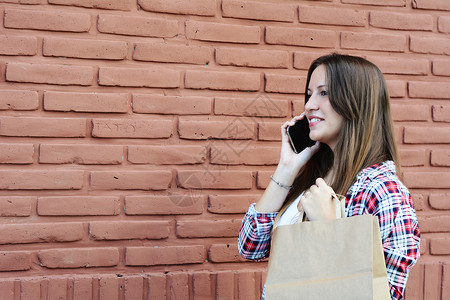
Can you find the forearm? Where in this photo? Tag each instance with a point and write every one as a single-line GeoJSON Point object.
{"type": "Point", "coordinates": [274, 196]}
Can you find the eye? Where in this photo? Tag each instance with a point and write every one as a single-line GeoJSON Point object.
{"type": "Point", "coordinates": [323, 93]}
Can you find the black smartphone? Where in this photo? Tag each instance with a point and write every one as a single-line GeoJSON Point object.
{"type": "Point", "coordinates": [299, 135]}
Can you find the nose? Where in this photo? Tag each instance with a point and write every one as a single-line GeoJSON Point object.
{"type": "Point", "coordinates": [311, 104]}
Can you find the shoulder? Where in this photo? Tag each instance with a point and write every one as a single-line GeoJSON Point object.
{"type": "Point", "coordinates": [379, 186]}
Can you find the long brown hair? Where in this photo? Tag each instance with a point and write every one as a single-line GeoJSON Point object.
{"type": "Point", "coordinates": [357, 91]}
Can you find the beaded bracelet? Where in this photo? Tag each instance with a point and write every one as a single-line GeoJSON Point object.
{"type": "Point", "coordinates": [280, 184]}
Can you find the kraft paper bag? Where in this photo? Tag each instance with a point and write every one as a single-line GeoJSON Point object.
{"type": "Point", "coordinates": [335, 259]}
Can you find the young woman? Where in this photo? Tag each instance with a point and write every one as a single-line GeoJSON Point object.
{"type": "Point", "coordinates": [347, 107]}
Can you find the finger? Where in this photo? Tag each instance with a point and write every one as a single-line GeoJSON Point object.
{"type": "Point", "coordinates": [320, 182]}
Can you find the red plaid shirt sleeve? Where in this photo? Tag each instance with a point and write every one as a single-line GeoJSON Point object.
{"type": "Point", "coordinates": [379, 192]}
{"type": "Point", "coordinates": [255, 234]}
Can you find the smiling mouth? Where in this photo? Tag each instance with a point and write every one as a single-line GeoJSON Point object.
{"type": "Point", "coordinates": [314, 121]}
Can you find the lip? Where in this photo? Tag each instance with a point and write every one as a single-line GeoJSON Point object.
{"type": "Point", "coordinates": [312, 123]}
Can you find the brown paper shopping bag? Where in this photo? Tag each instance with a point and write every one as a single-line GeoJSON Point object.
{"type": "Point", "coordinates": [336, 259]}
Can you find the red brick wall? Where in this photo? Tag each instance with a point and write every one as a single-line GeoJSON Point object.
{"type": "Point", "coordinates": [134, 135]}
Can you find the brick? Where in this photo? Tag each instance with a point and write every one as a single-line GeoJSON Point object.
{"type": "Point", "coordinates": [185, 7]}
{"type": "Point", "coordinates": [429, 45]}
{"type": "Point", "coordinates": [43, 127]}
{"type": "Point", "coordinates": [108, 287]}
{"type": "Point", "coordinates": [419, 201]}
{"type": "Point", "coordinates": [441, 67]}
{"type": "Point", "coordinates": [50, 74]}
{"type": "Point", "coordinates": [446, 281]}
{"type": "Point", "coordinates": [78, 206]}
{"type": "Point", "coordinates": [236, 129]}
{"type": "Point", "coordinates": [215, 179]}
{"type": "Point", "coordinates": [258, 11]}
{"type": "Point", "coordinates": [174, 204]}
{"type": "Point", "coordinates": [7, 289]}
{"type": "Point", "coordinates": [427, 179]}
{"type": "Point", "coordinates": [16, 153]}
{"type": "Point", "coordinates": [157, 286]}
{"type": "Point", "coordinates": [269, 131]}
{"type": "Point", "coordinates": [277, 59]}
{"type": "Point", "coordinates": [225, 285]}
{"type": "Point", "coordinates": [376, 2]}
{"type": "Point", "coordinates": [414, 286]}
{"type": "Point", "coordinates": [263, 179]}
{"type": "Point", "coordinates": [246, 285]}
{"type": "Point", "coordinates": [410, 112]}
{"type": "Point", "coordinates": [261, 106]}
{"type": "Point", "coordinates": [16, 206]}
{"type": "Point", "coordinates": [217, 32]}
{"type": "Point", "coordinates": [220, 253]}
{"type": "Point", "coordinates": [30, 288]}
{"type": "Point", "coordinates": [413, 158]}
{"type": "Point", "coordinates": [102, 4]}
{"type": "Point", "coordinates": [137, 26]}
{"type": "Point", "coordinates": [82, 287]}
{"type": "Point", "coordinates": [291, 84]}
{"type": "Point", "coordinates": [134, 287]}
{"type": "Point", "coordinates": [18, 45]}
{"type": "Point", "coordinates": [15, 260]}
{"type": "Point", "coordinates": [22, 1]}
{"type": "Point", "coordinates": [201, 285]}
{"type": "Point", "coordinates": [47, 20]}
{"type": "Point", "coordinates": [174, 53]}
{"type": "Point", "coordinates": [248, 155]}
{"type": "Point", "coordinates": [231, 81]}
{"type": "Point", "coordinates": [19, 100]}
{"type": "Point", "coordinates": [80, 154]}
{"type": "Point", "coordinates": [57, 287]}
{"type": "Point", "coordinates": [434, 223]}
{"type": "Point", "coordinates": [41, 179]}
{"type": "Point", "coordinates": [159, 104]}
{"type": "Point", "coordinates": [208, 228]}
{"type": "Point", "coordinates": [440, 158]}
{"type": "Point", "coordinates": [231, 204]}
{"type": "Point", "coordinates": [401, 21]}
{"type": "Point", "coordinates": [129, 128]}
{"type": "Point", "coordinates": [439, 201]}
{"type": "Point", "coordinates": [164, 255]}
{"type": "Point", "coordinates": [300, 37]}
{"type": "Point", "coordinates": [179, 285]}
{"type": "Point", "coordinates": [139, 77]}
{"type": "Point", "coordinates": [440, 246]}
{"type": "Point", "coordinates": [79, 257]}
{"type": "Point", "coordinates": [431, 4]}
{"type": "Point", "coordinates": [433, 280]}
{"type": "Point", "coordinates": [131, 180]}
{"type": "Point", "coordinates": [433, 90]}
{"type": "Point", "coordinates": [85, 48]}
{"type": "Point", "coordinates": [426, 135]}
{"type": "Point", "coordinates": [128, 230]}
{"type": "Point", "coordinates": [298, 106]}
{"type": "Point", "coordinates": [167, 155]}
{"type": "Point", "coordinates": [401, 66]}
{"type": "Point", "coordinates": [303, 60]}
{"type": "Point", "coordinates": [40, 232]}
{"type": "Point", "coordinates": [332, 16]}
{"type": "Point", "coordinates": [396, 88]}
{"type": "Point", "coordinates": [373, 41]}
{"type": "Point", "coordinates": [444, 24]}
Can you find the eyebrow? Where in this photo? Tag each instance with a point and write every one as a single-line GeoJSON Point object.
{"type": "Point", "coordinates": [320, 86]}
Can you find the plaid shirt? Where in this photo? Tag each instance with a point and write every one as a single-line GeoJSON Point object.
{"type": "Point", "coordinates": [377, 191]}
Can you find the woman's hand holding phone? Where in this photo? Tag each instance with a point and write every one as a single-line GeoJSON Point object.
{"type": "Point", "coordinates": [288, 157]}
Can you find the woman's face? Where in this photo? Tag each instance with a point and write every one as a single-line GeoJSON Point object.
{"type": "Point", "coordinates": [324, 122]}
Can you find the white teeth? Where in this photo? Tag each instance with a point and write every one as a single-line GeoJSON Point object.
{"type": "Point", "coordinates": [314, 120]}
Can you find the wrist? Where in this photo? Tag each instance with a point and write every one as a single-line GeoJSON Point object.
{"type": "Point", "coordinates": [285, 174]}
